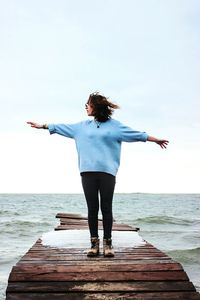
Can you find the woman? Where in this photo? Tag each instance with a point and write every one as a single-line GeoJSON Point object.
{"type": "Point", "coordinates": [98, 144]}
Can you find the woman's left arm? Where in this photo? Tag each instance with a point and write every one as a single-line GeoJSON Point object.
{"type": "Point", "coordinates": [161, 142]}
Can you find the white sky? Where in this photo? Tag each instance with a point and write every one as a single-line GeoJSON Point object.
{"type": "Point", "coordinates": [144, 55]}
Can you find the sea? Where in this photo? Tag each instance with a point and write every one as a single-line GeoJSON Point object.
{"type": "Point", "coordinates": [171, 222]}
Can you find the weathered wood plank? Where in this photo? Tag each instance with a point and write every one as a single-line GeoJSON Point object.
{"type": "Point", "coordinates": [43, 251]}
{"type": "Point", "coordinates": [105, 296]}
{"type": "Point", "coordinates": [142, 248]}
{"type": "Point", "coordinates": [100, 276]}
{"type": "Point", "coordinates": [75, 221]}
{"type": "Point", "coordinates": [39, 246]}
{"type": "Point", "coordinates": [82, 223]}
{"type": "Point", "coordinates": [79, 259]}
{"type": "Point", "coordinates": [146, 245]}
{"type": "Point", "coordinates": [76, 252]}
{"type": "Point", "coordinates": [150, 286]}
{"type": "Point", "coordinates": [71, 216]}
{"type": "Point", "coordinates": [75, 256]}
{"type": "Point", "coordinates": [93, 262]}
{"type": "Point", "coordinates": [82, 253]}
{"type": "Point", "coordinates": [82, 250]}
{"type": "Point", "coordinates": [115, 227]}
{"type": "Point", "coordinates": [40, 268]}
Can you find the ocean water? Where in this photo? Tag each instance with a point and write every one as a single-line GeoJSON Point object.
{"type": "Point", "coordinates": [171, 222]}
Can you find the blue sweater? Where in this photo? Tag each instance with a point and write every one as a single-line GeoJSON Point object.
{"type": "Point", "coordinates": [98, 148]}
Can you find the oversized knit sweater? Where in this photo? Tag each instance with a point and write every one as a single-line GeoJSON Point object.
{"type": "Point", "coordinates": [98, 144]}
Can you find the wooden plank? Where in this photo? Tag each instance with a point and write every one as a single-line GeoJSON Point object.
{"type": "Point", "coordinates": [78, 251]}
{"type": "Point", "coordinates": [75, 221]}
{"type": "Point", "coordinates": [150, 286]}
{"type": "Point", "coordinates": [79, 258]}
{"type": "Point", "coordinates": [100, 276]}
{"type": "Point", "coordinates": [51, 268]}
{"type": "Point", "coordinates": [44, 251]}
{"type": "Point", "coordinates": [93, 262]}
{"type": "Point", "coordinates": [82, 256]}
{"type": "Point", "coordinates": [82, 250]}
{"type": "Point", "coordinates": [115, 227]}
{"type": "Point", "coordinates": [82, 253]}
{"type": "Point", "coordinates": [78, 222]}
{"type": "Point", "coordinates": [146, 244]}
{"type": "Point", "coordinates": [73, 249]}
{"type": "Point", "coordinates": [71, 216]}
{"type": "Point", "coordinates": [145, 247]}
{"type": "Point", "coordinates": [105, 296]}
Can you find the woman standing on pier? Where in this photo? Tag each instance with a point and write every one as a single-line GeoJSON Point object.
{"type": "Point", "coordinates": [98, 144]}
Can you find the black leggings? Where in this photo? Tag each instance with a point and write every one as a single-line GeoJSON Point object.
{"type": "Point", "coordinates": [95, 184]}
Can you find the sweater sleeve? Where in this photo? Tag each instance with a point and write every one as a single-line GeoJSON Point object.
{"type": "Point", "coordinates": [130, 135]}
{"type": "Point", "coordinates": [67, 130]}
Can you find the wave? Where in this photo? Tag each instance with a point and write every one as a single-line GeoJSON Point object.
{"type": "Point", "coordinates": [166, 220]}
{"type": "Point", "coordinates": [14, 223]}
{"type": "Point", "coordinates": [187, 256]}
{"type": "Point", "coordinates": [9, 213]}
{"type": "Point", "coordinates": [19, 227]}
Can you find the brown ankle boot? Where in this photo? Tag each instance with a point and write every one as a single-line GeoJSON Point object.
{"type": "Point", "coordinates": [94, 250]}
{"type": "Point", "coordinates": [108, 248]}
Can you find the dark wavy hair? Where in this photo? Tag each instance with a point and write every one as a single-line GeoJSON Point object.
{"type": "Point", "coordinates": [102, 107]}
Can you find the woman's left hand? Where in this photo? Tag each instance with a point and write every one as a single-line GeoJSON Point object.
{"type": "Point", "coordinates": [162, 143]}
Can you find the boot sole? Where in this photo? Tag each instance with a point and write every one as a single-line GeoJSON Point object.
{"type": "Point", "coordinates": [92, 255]}
{"type": "Point", "coordinates": [108, 255]}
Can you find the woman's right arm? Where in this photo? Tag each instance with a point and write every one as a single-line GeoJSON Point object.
{"type": "Point", "coordinates": [67, 130]}
{"type": "Point", "coordinates": [38, 126]}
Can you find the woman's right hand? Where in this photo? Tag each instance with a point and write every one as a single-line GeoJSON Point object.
{"type": "Point", "coordinates": [35, 125]}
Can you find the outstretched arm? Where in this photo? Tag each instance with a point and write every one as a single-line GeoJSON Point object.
{"type": "Point", "coordinates": [38, 126]}
{"type": "Point", "coordinates": [161, 142]}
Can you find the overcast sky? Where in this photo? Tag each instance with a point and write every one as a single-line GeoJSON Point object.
{"type": "Point", "coordinates": [144, 55]}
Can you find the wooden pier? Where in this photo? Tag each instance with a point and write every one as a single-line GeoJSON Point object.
{"type": "Point", "coordinates": [66, 273]}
